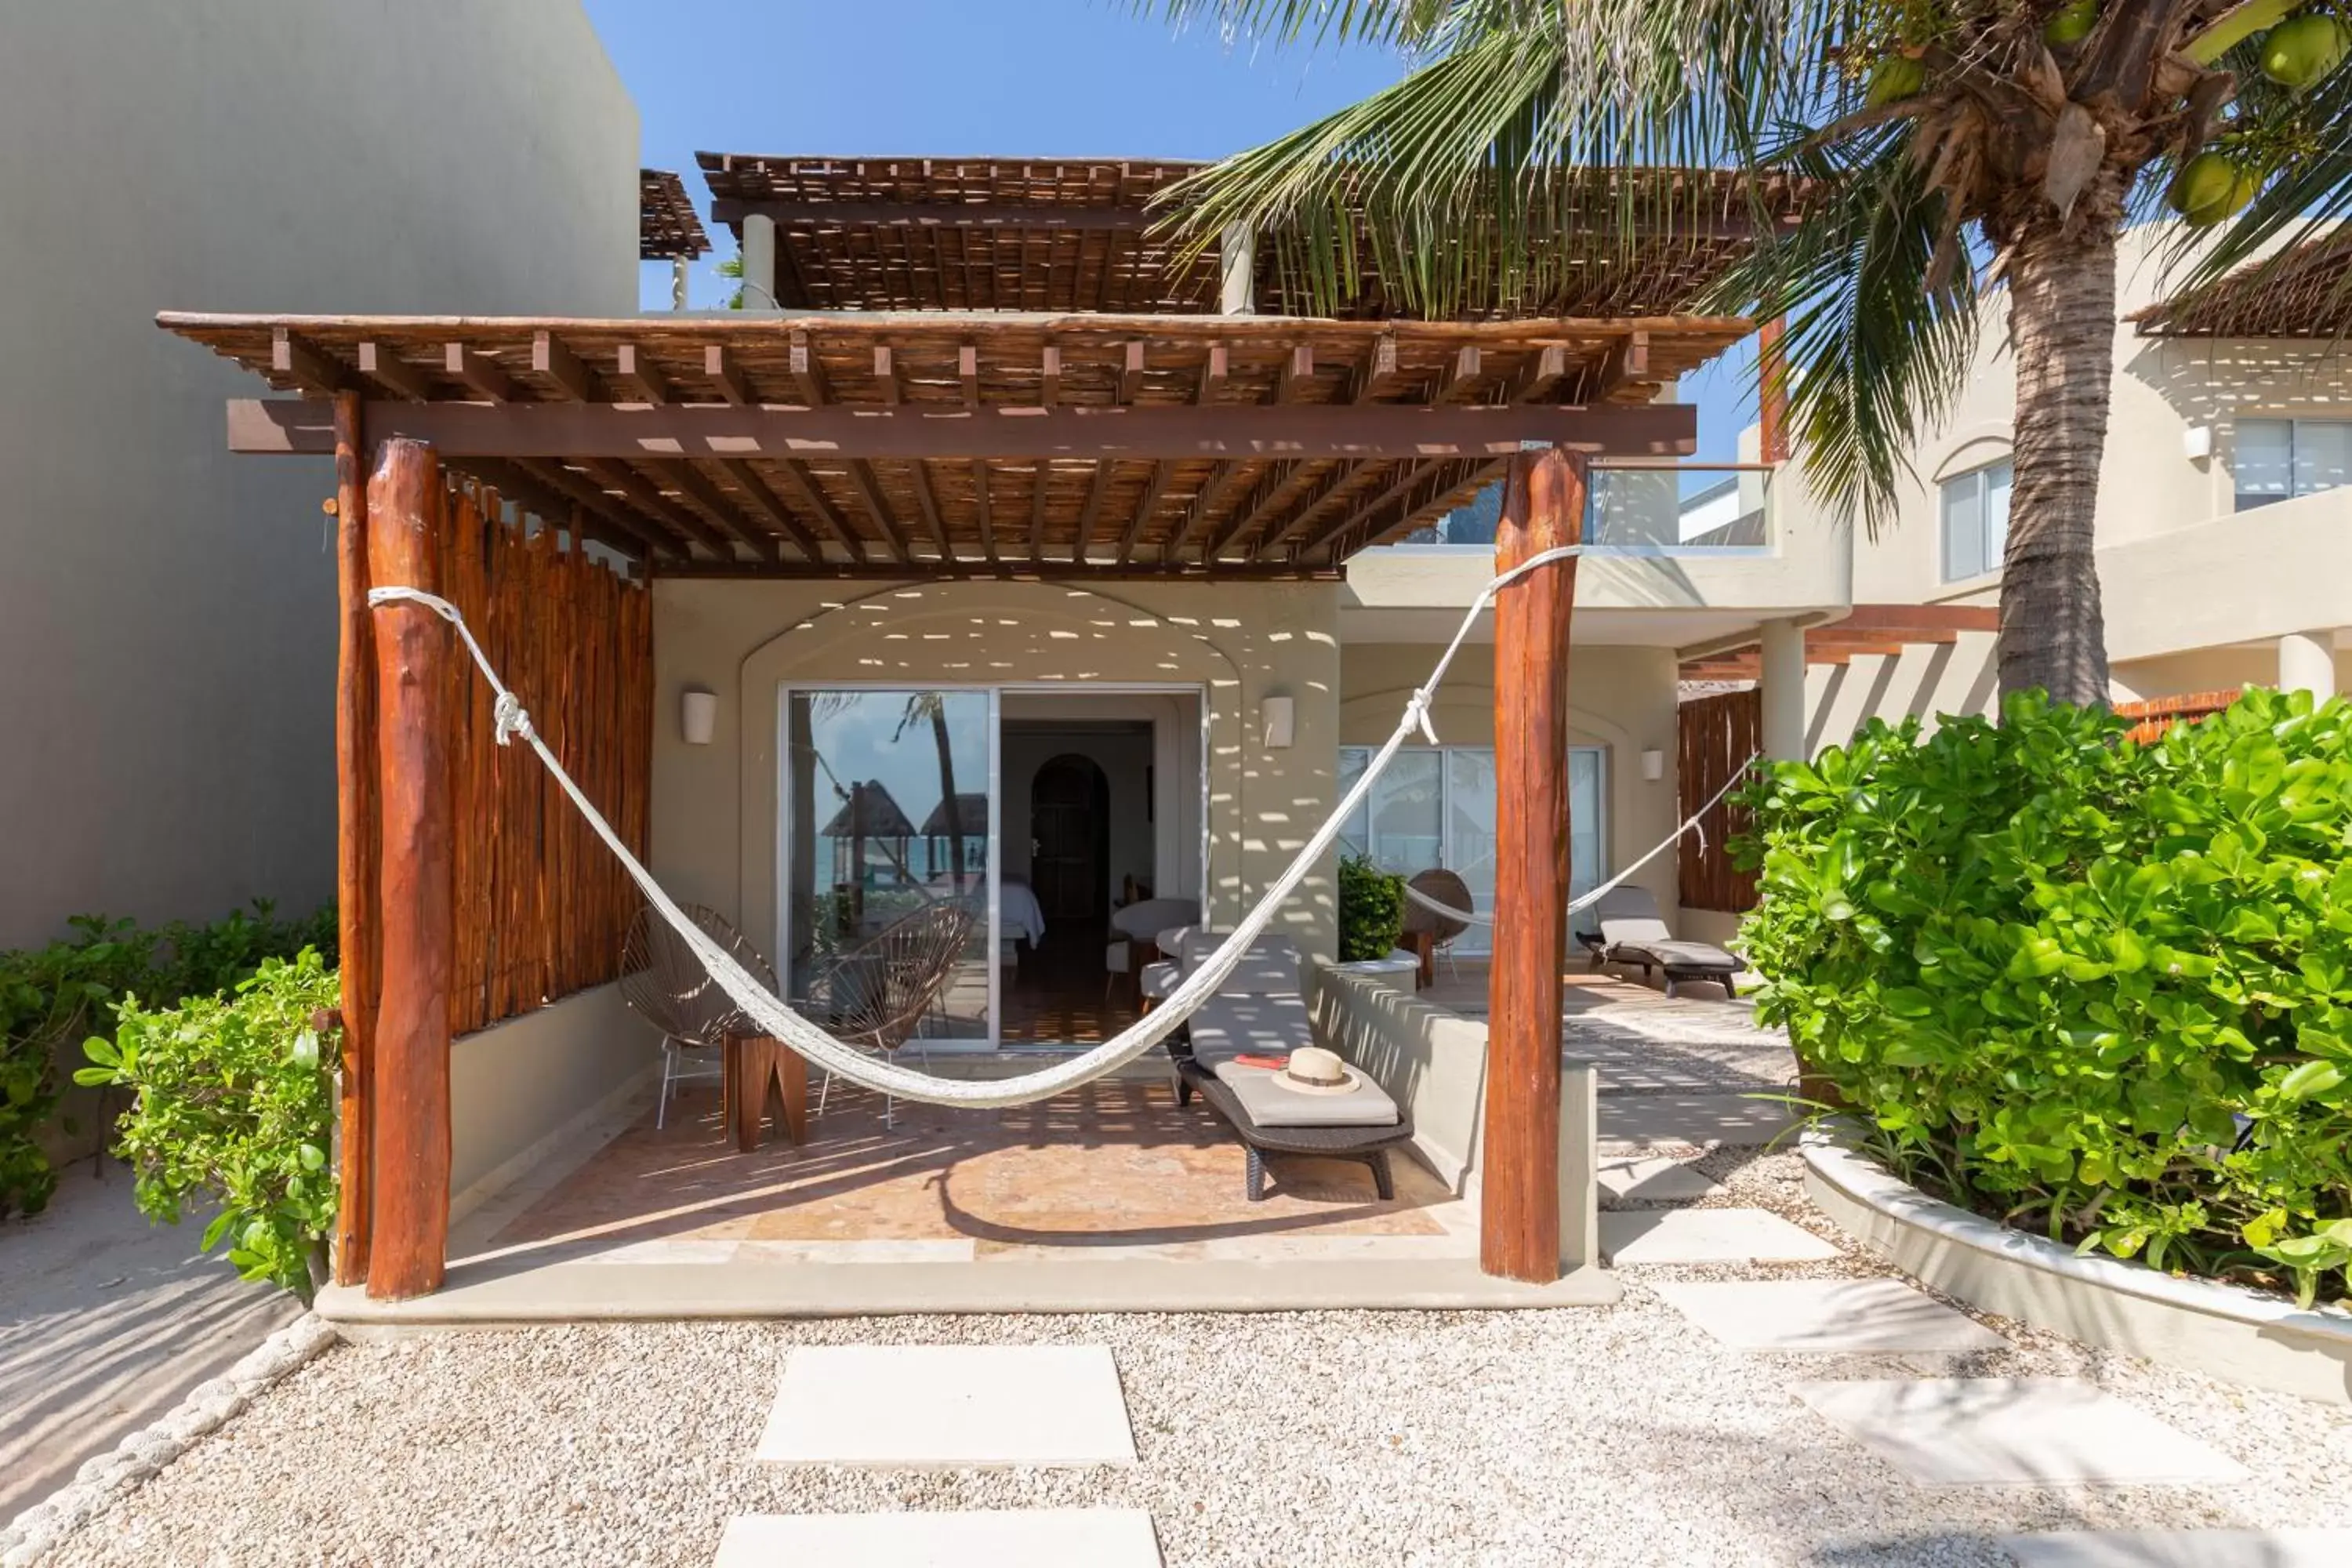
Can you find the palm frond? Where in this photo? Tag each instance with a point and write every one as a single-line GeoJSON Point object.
{"type": "Point", "coordinates": [1879, 339]}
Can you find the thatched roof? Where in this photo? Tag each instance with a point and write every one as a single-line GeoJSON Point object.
{"type": "Point", "coordinates": [869, 813]}
{"type": "Point", "coordinates": [2302, 291]}
{"type": "Point", "coordinates": [667, 224]}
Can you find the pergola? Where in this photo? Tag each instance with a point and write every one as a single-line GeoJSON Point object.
{"type": "Point", "coordinates": [2302, 291]}
{"type": "Point", "coordinates": [1864, 630]}
{"type": "Point", "coordinates": [1194, 439]}
{"type": "Point", "coordinates": [975, 444]}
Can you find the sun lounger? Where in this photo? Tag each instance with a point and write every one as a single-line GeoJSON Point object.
{"type": "Point", "coordinates": [1367, 1142]}
{"type": "Point", "coordinates": [1631, 932]}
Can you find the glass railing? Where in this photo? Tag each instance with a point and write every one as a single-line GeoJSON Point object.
{"type": "Point", "coordinates": [1641, 507]}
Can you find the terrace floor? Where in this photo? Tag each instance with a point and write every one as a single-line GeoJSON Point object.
{"type": "Point", "coordinates": [1056, 1204]}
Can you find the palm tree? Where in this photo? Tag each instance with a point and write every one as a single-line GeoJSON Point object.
{"type": "Point", "coordinates": [1938, 147]}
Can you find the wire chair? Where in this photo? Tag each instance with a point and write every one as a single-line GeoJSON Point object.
{"type": "Point", "coordinates": [664, 983]}
{"type": "Point", "coordinates": [1448, 889]}
{"type": "Point", "coordinates": [877, 994]}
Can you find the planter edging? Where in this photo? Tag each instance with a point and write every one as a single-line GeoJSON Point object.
{"type": "Point", "coordinates": [2203, 1325]}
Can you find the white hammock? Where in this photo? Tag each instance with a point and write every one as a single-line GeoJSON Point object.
{"type": "Point", "coordinates": [769, 1011]}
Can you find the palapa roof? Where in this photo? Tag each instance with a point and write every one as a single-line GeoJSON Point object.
{"type": "Point", "coordinates": [667, 224]}
{"type": "Point", "coordinates": [971, 810]}
{"type": "Point", "coordinates": [996, 444]}
{"type": "Point", "coordinates": [870, 812]}
{"type": "Point", "coordinates": [1076, 234]}
{"type": "Point", "coordinates": [2302, 291]}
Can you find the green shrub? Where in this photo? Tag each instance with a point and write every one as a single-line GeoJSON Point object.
{"type": "Point", "coordinates": [235, 1106]}
{"type": "Point", "coordinates": [2101, 989]}
{"type": "Point", "coordinates": [52, 995]}
{"type": "Point", "coordinates": [1371, 909]}
{"type": "Point", "coordinates": [49, 995]}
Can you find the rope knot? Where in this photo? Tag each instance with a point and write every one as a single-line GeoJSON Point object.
{"type": "Point", "coordinates": [507, 718]}
{"type": "Point", "coordinates": [1417, 712]}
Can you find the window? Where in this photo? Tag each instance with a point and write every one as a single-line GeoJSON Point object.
{"type": "Point", "coordinates": [1437, 807]}
{"type": "Point", "coordinates": [2278, 459]}
{"type": "Point", "coordinates": [1975, 521]}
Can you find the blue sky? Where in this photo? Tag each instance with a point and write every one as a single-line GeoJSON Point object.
{"type": "Point", "coordinates": [1003, 77]}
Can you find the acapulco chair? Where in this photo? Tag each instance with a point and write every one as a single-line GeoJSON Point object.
{"type": "Point", "coordinates": [664, 983]}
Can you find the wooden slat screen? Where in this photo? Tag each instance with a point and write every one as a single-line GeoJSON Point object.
{"type": "Point", "coordinates": [1717, 736]}
{"type": "Point", "coordinates": [539, 906]}
{"type": "Point", "coordinates": [2158, 714]}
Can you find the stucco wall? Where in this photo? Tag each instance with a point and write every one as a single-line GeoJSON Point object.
{"type": "Point", "coordinates": [167, 616]}
{"type": "Point", "coordinates": [1621, 699]}
{"type": "Point", "coordinates": [2181, 570]}
{"type": "Point", "coordinates": [516, 1087]}
{"type": "Point", "coordinates": [715, 807]}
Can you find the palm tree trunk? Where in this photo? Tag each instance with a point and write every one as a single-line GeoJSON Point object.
{"type": "Point", "coordinates": [2062, 323]}
{"type": "Point", "coordinates": [954, 808]}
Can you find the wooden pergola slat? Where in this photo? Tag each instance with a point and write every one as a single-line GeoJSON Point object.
{"type": "Point", "coordinates": [1283, 443]}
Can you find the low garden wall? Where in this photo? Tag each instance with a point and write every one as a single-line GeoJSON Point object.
{"type": "Point", "coordinates": [521, 1088]}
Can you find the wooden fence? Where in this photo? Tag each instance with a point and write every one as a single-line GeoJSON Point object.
{"type": "Point", "coordinates": [1717, 736]}
{"type": "Point", "coordinates": [2157, 714]}
{"type": "Point", "coordinates": [539, 906]}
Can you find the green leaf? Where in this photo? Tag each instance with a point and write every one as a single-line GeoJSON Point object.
{"type": "Point", "coordinates": [2310, 1079]}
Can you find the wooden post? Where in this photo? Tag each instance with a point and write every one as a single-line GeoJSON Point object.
{"type": "Point", "coordinates": [1772, 391]}
{"type": "Point", "coordinates": [355, 842]}
{"type": "Point", "coordinates": [414, 665]}
{"type": "Point", "coordinates": [1519, 1220]}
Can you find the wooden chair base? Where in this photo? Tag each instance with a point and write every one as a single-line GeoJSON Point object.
{"type": "Point", "coordinates": [754, 1066]}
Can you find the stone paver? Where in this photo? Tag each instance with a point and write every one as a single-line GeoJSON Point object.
{"type": "Point", "coordinates": [1633, 1123]}
{"type": "Point", "coordinates": [939, 1406]}
{"type": "Point", "coordinates": [2014, 1431]}
{"type": "Point", "coordinates": [1008, 1538]}
{"type": "Point", "coordinates": [1829, 1316]}
{"type": "Point", "coordinates": [107, 1320]}
{"type": "Point", "coordinates": [1652, 1178]}
{"type": "Point", "coordinates": [2182, 1549]}
{"type": "Point", "coordinates": [1706, 1236]}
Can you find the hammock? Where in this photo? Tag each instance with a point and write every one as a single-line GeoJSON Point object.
{"type": "Point", "coordinates": [768, 1010]}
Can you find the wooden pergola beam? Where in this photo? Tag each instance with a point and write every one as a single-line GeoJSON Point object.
{"type": "Point", "coordinates": [732, 211]}
{"type": "Point", "coordinates": [712, 499]}
{"type": "Point", "coordinates": [927, 500]}
{"type": "Point", "coordinates": [808, 375]}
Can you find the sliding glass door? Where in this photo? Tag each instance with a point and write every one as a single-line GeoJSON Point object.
{"type": "Point", "coordinates": [1435, 807]}
{"type": "Point", "coordinates": [888, 813]}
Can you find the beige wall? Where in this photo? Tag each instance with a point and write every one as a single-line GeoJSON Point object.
{"type": "Point", "coordinates": [1621, 699]}
{"type": "Point", "coordinates": [715, 807]}
{"type": "Point", "coordinates": [167, 612]}
{"type": "Point", "coordinates": [519, 1089]}
{"type": "Point", "coordinates": [2184, 577]}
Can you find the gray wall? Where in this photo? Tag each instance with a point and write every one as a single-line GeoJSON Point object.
{"type": "Point", "coordinates": [167, 612]}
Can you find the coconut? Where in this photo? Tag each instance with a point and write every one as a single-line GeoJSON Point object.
{"type": "Point", "coordinates": [2211, 187]}
{"type": "Point", "coordinates": [2301, 51]}
{"type": "Point", "coordinates": [2071, 22]}
{"type": "Point", "coordinates": [1895, 79]}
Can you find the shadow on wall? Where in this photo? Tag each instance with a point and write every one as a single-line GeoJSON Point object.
{"type": "Point", "coordinates": [2214, 382]}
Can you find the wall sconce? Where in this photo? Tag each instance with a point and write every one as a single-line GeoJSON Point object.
{"type": "Point", "coordinates": [1277, 717]}
{"type": "Point", "coordinates": [1653, 766]}
{"type": "Point", "coordinates": [2197, 443]}
{"type": "Point", "coordinates": [698, 715]}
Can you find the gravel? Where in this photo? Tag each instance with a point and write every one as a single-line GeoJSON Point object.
{"type": "Point", "coordinates": [1622, 1436]}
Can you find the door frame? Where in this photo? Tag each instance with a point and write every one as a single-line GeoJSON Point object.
{"type": "Point", "coordinates": [996, 690]}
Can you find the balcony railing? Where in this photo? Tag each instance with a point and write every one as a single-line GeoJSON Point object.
{"type": "Point", "coordinates": [1642, 508]}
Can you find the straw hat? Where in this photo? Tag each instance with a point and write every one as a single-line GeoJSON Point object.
{"type": "Point", "coordinates": [1314, 1070]}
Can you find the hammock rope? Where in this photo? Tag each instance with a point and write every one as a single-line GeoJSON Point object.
{"type": "Point", "coordinates": [511, 721]}
{"type": "Point", "coordinates": [1586, 901]}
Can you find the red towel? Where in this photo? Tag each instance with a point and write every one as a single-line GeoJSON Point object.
{"type": "Point", "coordinates": [1258, 1061]}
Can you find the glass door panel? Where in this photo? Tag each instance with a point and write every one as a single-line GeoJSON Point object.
{"type": "Point", "coordinates": [1588, 823]}
{"type": "Point", "coordinates": [888, 813]}
{"type": "Point", "coordinates": [1470, 836]}
{"type": "Point", "coordinates": [1408, 823]}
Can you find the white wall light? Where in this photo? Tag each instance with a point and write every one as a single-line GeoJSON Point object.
{"type": "Point", "coordinates": [698, 715]}
{"type": "Point", "coordinates": [1277, 717]}
{"type": "Point", "coordinates": [2197, 442]}
{"type": "Point", "coordinates": [1653, 766]}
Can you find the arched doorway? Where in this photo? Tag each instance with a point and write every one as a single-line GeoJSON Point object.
{"type": "Point", "coordinates": [1069, 831]}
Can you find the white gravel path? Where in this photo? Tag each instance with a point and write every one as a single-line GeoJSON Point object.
{"type": "Point", "coordinates": [1616, 1437]}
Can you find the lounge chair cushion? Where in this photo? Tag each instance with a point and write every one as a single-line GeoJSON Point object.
{"type": "Point", "coordinates": [1159, 981]}
{"type": "Point", "coordinates": [1673, 955]}
{"type": "Point", "coordinates": [1225, 1026]}
{"type": "Point", "coordinates": [1270, 967]}
{"type": "Point", "coordinates": [1271, 1105]}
